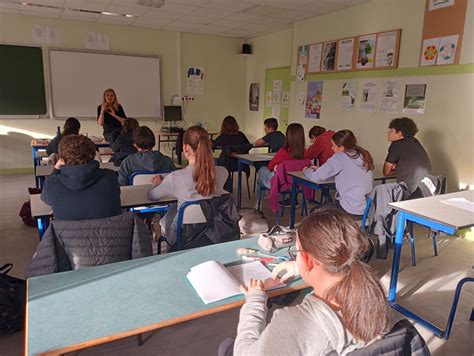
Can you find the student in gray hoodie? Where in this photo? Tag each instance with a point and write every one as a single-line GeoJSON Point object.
{"type": "Point", "coordinates": [352, 168]}
{"type": "Point", "coordinates": [145, 160]}
{"type": "Point", "coordinates": [346, 310]}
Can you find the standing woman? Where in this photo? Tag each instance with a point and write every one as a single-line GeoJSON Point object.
{"type": "Point", "coordinates": [110, 115]}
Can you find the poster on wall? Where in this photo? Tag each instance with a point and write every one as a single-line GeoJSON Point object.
{"type": "Point", "coordinates": [344, 54]}
{"type": "Point", "coordinates": [439, 4]}
{"type": "Point", "coordinates": [276, 111]}
{"type": "Point", "coordinates": [314, 98]}
{"type": "Point", "coordinates": [314, 62]}
{"type": "Point", "coordinates": [254, 96]}
{"type": "Point", "coordinates": [195, 81]}
{"type": "Point", "coordinates": [300, 73]}
{"type": "Point", "coordinates": [97, 40]}
{"type": "Point", "coordinates": [429, 52]}
{"type": "Point", "coordinates": [415, 96]}
{"type": "Point", "coordinates": [303, 55]}
{"type": "Point", "coordinates": [300, 98]}
{"type": "Point", "coordinates": [285, 99]}
{"type": "Point", "coordinates": [268, 99]}
{"type": "Point", "coordinates": [348, 95]}
{"type": "Point", "coordinates": [277, 88]}
{"type": "Point", "coordinates": [366, 51]}
{"type": "Point", "coordinates": [447, 49]}
{"type": "Point", "coordinates": [329, 56]}
{"type": "Point", "coordinates": [386, 49]}
{"type": "Point", "coordinates": [369, 96]}
{"type": "Point", "coordinates": [390, 95]}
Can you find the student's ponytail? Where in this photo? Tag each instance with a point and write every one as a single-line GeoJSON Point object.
{"type": "Point", "coordinates": [204, 170]}
{"type": "Point", "coordinates": [347, 139]}
{"type": "Point", "coordinates": [333, 238]}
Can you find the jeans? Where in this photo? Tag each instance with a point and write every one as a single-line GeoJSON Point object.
{"type": "Point", "coordinates": [264, 176]}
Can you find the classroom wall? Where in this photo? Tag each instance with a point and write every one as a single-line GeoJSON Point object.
{"type": "Point", "coordinates": [446, 127]}
{"type": "Point", "coordinates": [224, 77]}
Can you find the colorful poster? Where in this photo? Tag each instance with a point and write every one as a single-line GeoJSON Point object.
{"type": "Point", "coordinates": [369, 96]}
{"type": "Point", "coordinates": [415, 96]}
{"type": "Point", "coordinates": [344, 54]}
{"type": "Point", "coordinates": [329, 56]}
{"type": "Point", "coordinates": [300, 73]}
{"type": "Point", "coordinates": [429, 52]}
{"type": "Point", "coordinates": [314, 63]}
{"type": "Point", "coordinates": [268, 99]}
{"type": "Point", "coordinates": [303, 55]}
{"type": "Point", "coordinates": [195, 81]}
{"type": "Point", "coordinates": [348, 95]}
{"type": "Point", "coordinates": [254, 96]}
{"type": "Point", "coordinates": [390, 95]}
{"type": "Point", "coordinates": [314, 97]}
{"type": "Point", "coordinates": [366, 51]}
{"type": "Point", "coordinates": [439, 4]}
{"type": "Point", "coordinates": [285, 99]}
{"type": "Point", "coordinates": [447, 50]}
{"type": "Point", "coordinates": [386, 49]}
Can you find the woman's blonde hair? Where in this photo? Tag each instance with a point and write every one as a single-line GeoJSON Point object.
{"type": "Point", "coordinates": [333, 238]}
{"type": "Point", "coordinates": [204, 170]}
{"type": "Point", "coordinates": [115, 104]}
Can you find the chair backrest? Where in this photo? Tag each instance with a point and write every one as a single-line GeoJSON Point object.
{"type": "Point", "coordinates": [290, 166]}
{"type": "Point", "coordinates": [144, 177]}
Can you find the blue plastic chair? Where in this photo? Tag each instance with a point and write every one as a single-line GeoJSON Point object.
{"type": "Point", "coordinates": [132, 180]}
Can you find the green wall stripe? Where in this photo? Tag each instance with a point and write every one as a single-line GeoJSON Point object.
{"type": "Point", "coordinates": [400, 72]}
{"type": "Point", "coordinates": [5, 171]}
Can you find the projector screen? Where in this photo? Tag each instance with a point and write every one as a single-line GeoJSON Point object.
{"type": "Point", "coordinates": [78, 80]}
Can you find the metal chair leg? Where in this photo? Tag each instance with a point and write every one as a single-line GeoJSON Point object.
{"type": "Point", "coordinates": [454, 306]}
{"type": "Point", "coordinates": [259, 201]}
{"type": "Point", "coordinates": [248, 186]}
{"type": "Point", "coordinates": [435, 243]}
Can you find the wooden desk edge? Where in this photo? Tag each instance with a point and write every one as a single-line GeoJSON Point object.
{"type": "Point", "coordinates": [159, 325]}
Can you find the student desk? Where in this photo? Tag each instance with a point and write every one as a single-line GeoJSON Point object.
{"type": "Point", "coordinates": [165, 136]}
{"type": "Point", "coordinates": [257, 160]}
{"type": "Point", "coordinates": [77, 309]}
{"type": "Point", "coordinates": [130, 196]}
{"type": "Point", "coordinates": [38, 147]}
{"type": "Point", "coordinates": [433, 213]}
{"type": "Point", "coordinates": [300, 179]}
{"type": "Point", "coordinates": [44, 171]}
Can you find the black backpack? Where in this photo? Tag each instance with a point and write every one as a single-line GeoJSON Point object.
{"type": "Point", "coordinates": [12, 301]}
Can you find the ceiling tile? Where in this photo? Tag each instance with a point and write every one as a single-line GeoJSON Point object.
{"type": "Point", "coordinates": [243, 17]}
{"type": "Point", "coordinates": [180, 9]}
{"type": "Point", "coordinates": [285, 4]}
{"type": "Point", "coordinates": [194, 19]}
{"type": "Point", "coordinates": [229, 5]}
{"type": "Point", "coordinates": [85, 5]}
{"type": "Point", "coordinates": [228, 22]}
{"type": "Point", "coordinates": [152, 21]}
{"type": "Point", "coordinates": [189, 2]}
{"type": "Point", "coordinates": [129, 10]}
{"type": "Point", "coordinates": [120, 20]}
{"type": "Point", "coordinates": [162, 14]}
{"type": "Point", "coordinates": [291, 15]}
{"type": "Point", "coordinates": [11, 7]}
{"type": "Point", "coordinates": [58, 3]}
{"type": "Point", "coordinates": [181, 26]}
{"type": "Point", "coordinates": [79, 15]}
{"type": "Point", "coordinates": [263, 10]}
{"type": "Point", "coordinates": [211, 13]}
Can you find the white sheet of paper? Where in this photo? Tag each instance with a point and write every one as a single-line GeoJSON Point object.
{"type": "Point", "coordinates": [447, 50]}
{"type": "Point", "coordinates": [276, 97]}
{"type": "Point", "coordinates": [276, 111]}
{"type": "Point", "coordinates": [385, 53]}
{"type": "Point", "coordinates": [39, 34]}
{"type": "Point", "coordinates": [53, 37]}
{"type": "Point", "coordinates": [390, 95]}
{"type": "Point", "coordinates": [439, 4]}
{"type": "Point", "coordinates": [277, 85]}
{"type": "Point", "coordinates": [314, 61]}
{"type": "Point", "coordinates": [344, 54]}
{"type": "Point", "coordinates": [268, 98]}
{"type": "Point", "coordinates": [300, 98]}
{"type": "Point", "coordinates": [348, 95]}
{"type": "Point", "coordinates": [300, 73]}
{"type": "Point", "coordinates": [195, 81]}
{"type": "Point", "coordinates": [461, 203]}
{"type": "Point", "coordinates": [429, 52]}
{"type": "Point", "coordinates": [369, 96]}
{"type": "Point", "coordinates": [285, 99]}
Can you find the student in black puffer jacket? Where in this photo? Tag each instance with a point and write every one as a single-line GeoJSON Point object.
{"type": "Point", "coordinates": [78, 188]}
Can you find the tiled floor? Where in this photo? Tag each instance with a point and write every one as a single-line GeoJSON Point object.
{"type": "Point", "coordinates": [427, 289]}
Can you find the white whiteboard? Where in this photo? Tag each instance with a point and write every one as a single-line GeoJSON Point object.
{"type": "Point", "coordinates": [78, 80]}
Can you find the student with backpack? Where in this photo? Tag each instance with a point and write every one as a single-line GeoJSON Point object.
{"type": "Point", "coordinates": [201, 179]}
{"type": "Point", "coordinates": [145, 160]}
{"type": "Point", "coordinates": [352, 168]}
{"type": "Point", "coordinates": [346, 310]}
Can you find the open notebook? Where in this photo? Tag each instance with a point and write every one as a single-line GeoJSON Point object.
{"type": "Point", "coordinates": [213, 282]}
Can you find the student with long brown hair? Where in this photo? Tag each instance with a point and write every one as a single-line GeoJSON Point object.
{"type": "Point", "coordinates": [230, 134]}
{"type": "Point", "coordinates": [346, 310]}
{"type": "Point", "coordinates": [352, 167]}
{"type": "Point", "coordinates": [293, 149]}
{"type": "Point", "coordinates": [201, 179]}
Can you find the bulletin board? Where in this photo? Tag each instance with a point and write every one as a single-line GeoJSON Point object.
{"type": "Point", "coordinates": [275, 76]}
{"type": "Point", "coordinates": [444, 18]}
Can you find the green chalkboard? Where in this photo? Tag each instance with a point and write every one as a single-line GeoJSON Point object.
{"type": "Point", "coordinates": [22, 90]}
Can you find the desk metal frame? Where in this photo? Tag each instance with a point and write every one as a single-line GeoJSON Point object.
{"type": "Point", "coordinates": [257, 164]}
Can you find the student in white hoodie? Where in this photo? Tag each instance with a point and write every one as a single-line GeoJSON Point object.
{"type": "Point", "coordinates": [346, 310]}
{"type": "Point", "coordinates": [352, 168]}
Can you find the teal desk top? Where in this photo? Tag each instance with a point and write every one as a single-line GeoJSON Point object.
{"type": "Point", "coordinates": [77, 309]}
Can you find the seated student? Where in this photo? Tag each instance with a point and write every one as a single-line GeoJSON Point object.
{"type": "Point", "coordinates": [321, 144]}
{"type": "Point", "coordinates": [346, 310]}
{"type": "Point", "coordinates": [230, 134]}
{"type": "Point", "coordinates": [71, 127]}
{"type": "Point", "coordinates": [123, 145]}
{"type": "Point", "coordinates": [78, 188]}
{"type": "Point", "coordinates": [145, 159]}
{"type": "Point", "coordinates": [273, 139]}
{"type": "Point", "coordinates": [201, 179]}
{"type": "Point", "coordinates": [293, 149]}
{"type": "Point", "coordinates": [406, 157]}
{"type": "Point", "coordinates": [352, 167]}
